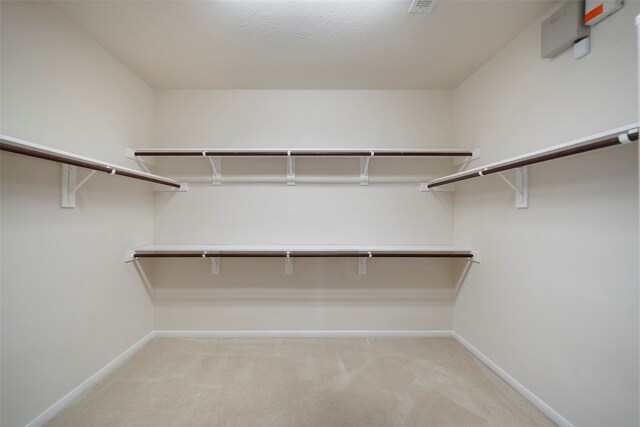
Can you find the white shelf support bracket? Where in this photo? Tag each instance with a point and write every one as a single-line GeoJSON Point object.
{"type": "Point", "coordinates": [216, 169]}
{"type": "Point", "coordinates": [291, 169]}
{"type": "Point", "coordinates": [362, 264]}
{"type": "Point", "coordinates": [68, 185]}
{"type": "Point", "coordinates": [522, 184]}
{"type": "Point", "coordinates": [476, 257]}
{"type": "Point", "coordinates": [129, 255]}
{"type": "Point", "coordinates": [288, 264]}
{"type": "Point", "coordinates": [184, 187]}
{"type": "Point", "coordinates": [142, 162]}
{"type": "Point", "coordinates": [364, 169]}
{"type": "Point", "coordinates": [215, 265]}
{"type": "Point", "coordinates": [521, 188]}
{"type": "Point", "coordinates": [475, 155]}
{"type": "Point", "coordinates": [443, 189]}
{"type": "Point", "coordinates": [67, 182]}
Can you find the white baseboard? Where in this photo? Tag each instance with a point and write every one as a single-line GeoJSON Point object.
{"type": "Point", "coordinates": [220, 294]}
{"type": "Point", "coordinates": [88, 383]}
{"type": "Point", "coordinates": [303, 334]}
{"type": "Point", "coordinates": [535, 400]}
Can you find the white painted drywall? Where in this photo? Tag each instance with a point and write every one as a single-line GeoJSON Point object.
{"type": "Point", "coordinates": [302, 44]}
{"type": "Point", "coordinates": [323, 294]}
{"type": "Point", "coordinates": [69, 303]}
{"type": "Point", "coordinates": [555, 301]}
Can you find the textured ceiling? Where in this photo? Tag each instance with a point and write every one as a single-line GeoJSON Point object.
{"type": "Point", "coordinates": [302, 44]}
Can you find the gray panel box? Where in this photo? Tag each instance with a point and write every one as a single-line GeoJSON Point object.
{"type": "Point", "coordinates": [562, 29]}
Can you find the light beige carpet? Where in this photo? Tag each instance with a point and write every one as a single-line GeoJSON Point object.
{"type": "Point", "coordinates": [302, 382]}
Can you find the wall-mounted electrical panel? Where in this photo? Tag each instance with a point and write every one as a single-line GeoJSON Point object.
{"type": "Point", "coordinates": [562, 29]}
{"type": "Point", "coordinates": [596, 10]}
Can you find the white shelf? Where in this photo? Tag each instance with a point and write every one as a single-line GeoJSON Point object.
{"type": "Point", "coordinates": [410, 251]}
{"type": "Point", "coordinates": [215, 156]}
{"type": "Point", "coordinates": [605, 139]}
{"type": "Point", "coordinates": [26, 148]}
{"type": "Point", "coordinates": [289, 252]}
{"type": "Point", "coordinates": [298, 152]}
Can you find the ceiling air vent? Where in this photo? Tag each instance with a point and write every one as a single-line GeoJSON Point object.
{"type": "Point", "coordinates": [422, 6]}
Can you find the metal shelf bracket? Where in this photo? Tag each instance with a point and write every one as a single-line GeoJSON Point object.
{"type": "Point", "coordinates": [215, 265]}
{"type": "Point", "coordinates": [521, 188]}
{"type": "Point", "coordinates": [364, 169]}
{"type": "Point", "coordinates": [184, 187]}
{"type": "Point", "coordinates": [443, 189]}
{"type": "Point", "coordinates": [216, 168]}
{"type": "Point", "coordinates": [69, 187]}
{"type": "Point", "coordinates": [291, 169]}
{"type": "Point", "coordinates": [142, 162]}
{"type": "Point", "coordinates": [129, 255]}
{"type": "Point", "coordinates": [288, 264]}
{"type": "Point", "coordinates": [475, 155]}
{"type": "Point", "coordinates": [362, 264]}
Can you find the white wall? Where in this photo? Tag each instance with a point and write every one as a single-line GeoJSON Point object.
{"type": "Point", "coordinates": [323, 294]}
{"type": "Point", "coordinates": [69, 303]}
{"type": "Point", "coordinates": [555, 300]}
